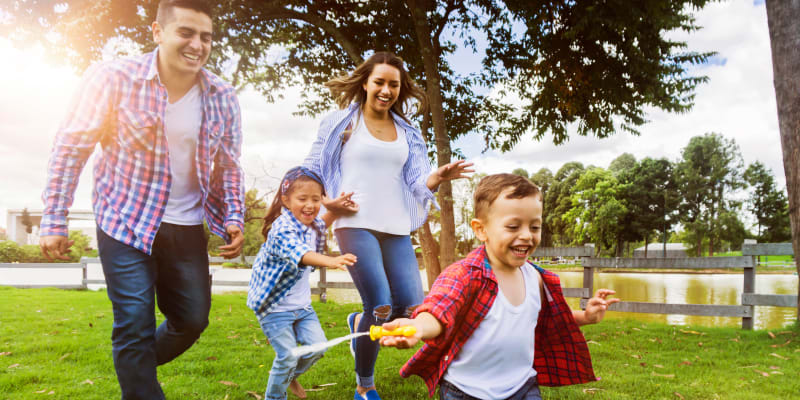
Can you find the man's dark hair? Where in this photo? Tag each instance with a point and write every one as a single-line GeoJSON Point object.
{"type": "Point", "coordinates": [165, 7]}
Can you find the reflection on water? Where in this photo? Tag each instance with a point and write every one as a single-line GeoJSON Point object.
{"type": "Point", "coordinates": [723, 289]}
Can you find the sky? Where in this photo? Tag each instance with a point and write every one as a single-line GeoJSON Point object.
{"type": "Point", "coordinates": [738, 102]}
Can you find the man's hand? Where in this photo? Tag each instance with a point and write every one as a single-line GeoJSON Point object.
{"type": "Point", "coordinates": [55, 246]}
{"type": "Point", "coordinates": [233, 248]}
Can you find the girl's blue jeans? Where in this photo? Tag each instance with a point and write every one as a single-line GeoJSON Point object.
{"type": "Point", "coordinates": [387, 278]}
{"type": "Point", "coordinates": [285, 330]}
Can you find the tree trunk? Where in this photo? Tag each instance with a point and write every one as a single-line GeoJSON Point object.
{"type": "Point", "coordinates": [430, 253]}
{"type": "Point", "coordinates": [646, 239]}
{"type": "Point", "coordinates": [433, 89]}
{"type": "Point", "coordinates": [784, 35]}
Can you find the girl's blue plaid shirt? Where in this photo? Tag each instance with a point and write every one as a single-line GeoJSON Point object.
{"type": "Point", "coordinates": [277, 266]}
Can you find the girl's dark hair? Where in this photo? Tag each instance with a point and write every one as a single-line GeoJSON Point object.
{"type": "Point", "coordinates": [277, 205]}
{"type": "Point", "coordinates": [349, 88]}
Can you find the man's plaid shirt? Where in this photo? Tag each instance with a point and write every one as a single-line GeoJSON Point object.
{"type": "Point", "coordinates": [462, 296]}
{"type": "Point", "coordinates": [277, 266]}
{"type": "Point", "coordinates": [120, 105]}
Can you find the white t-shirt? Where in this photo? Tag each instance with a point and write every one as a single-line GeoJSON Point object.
{"type": "Point", "coordinates": [299, 296]}
{"type": "Point", "coordinates": [182, 126]}
{"type": "Point", "coordinates": [373, 170]}
{"type": "Point", "coordinates": [498, 358]}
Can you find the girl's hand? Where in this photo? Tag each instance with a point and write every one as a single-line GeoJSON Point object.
{"type": "Point", "coordinates": [453, 170]}
{"type": "Point", "coordinates": [342, 205]}
{"type": "Point", "coordinates": [342, 262]}
{"type": "Point", "coordinates": [596, 306]}
{"type": "Point", "coordinates": [401, 342]}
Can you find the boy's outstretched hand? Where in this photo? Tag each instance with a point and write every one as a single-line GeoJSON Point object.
{"type": "Point", "coordinates": [401, 342]}
{"type": "Point", "coordinates": [596, 306]}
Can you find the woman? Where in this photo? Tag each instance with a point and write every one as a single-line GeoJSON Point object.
{"type": "Point", "coordinates": [369, 149]}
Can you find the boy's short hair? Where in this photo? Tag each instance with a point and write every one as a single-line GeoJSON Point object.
{"type": "Point", "coordinates": [165, 7]}
{"type": "Point", "coordinates": [491, 186]}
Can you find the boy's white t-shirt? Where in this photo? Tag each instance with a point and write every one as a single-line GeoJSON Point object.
{"type": "Point", "coordinates": [498, 358]}
{"type": "Point", "coordinates": [373, 170]}
{"type": "Point", "coordinates": [182, 121]}
{"type": "Point", "coordinates": [299, 295]}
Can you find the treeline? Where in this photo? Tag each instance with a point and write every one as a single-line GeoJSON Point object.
{"type": "Point", "coordinates": [699, 199]}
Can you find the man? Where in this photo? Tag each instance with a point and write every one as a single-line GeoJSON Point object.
{"type": "Point", "coordinates": [170, 139]}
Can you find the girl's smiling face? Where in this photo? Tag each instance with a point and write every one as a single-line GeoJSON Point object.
{"type": "Point", "coordinates": [304, 200]}
{"type": "Point", "coordinates": [382, 88]}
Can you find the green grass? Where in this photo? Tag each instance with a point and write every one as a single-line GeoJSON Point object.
{"type": "Point", "coordinates": [59, 342]}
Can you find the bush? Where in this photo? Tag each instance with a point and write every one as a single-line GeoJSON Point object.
{"type": "Point", "coordinates": [10, 252]}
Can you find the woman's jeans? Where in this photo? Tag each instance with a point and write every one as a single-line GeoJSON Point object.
{"type": "Point", "coordinates": [528, 391]}
{"type": "Point", "coordinates": [285, 330]}
{"type": "Point", "coordinates": [387, 278]}
{"type": "Point", "coordinates": [176, 271]}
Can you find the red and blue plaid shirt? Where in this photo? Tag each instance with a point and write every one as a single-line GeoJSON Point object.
{"type": "Point", "coordinates": [462, 296]}
{"type": "Point", "coordinates": [120, 105]}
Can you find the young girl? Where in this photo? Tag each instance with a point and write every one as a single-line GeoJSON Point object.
{"type": "Point", "coordinates": [279, 291]}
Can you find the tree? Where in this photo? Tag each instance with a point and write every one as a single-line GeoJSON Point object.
{"type": "Point", "coordinates": [707, 176]}
{"type": "Point", "coordinates": [521, 172]}
{"type": "Point", "coordinates": [551, 63]}
{"type": "Point", "coordinates": [784, 36]}
{"type": "Point", "coordinates": [651, 199]}
{"type": "Point", "coordinates": [545, 180]}
{"type": "Point", "coordinates": [597, 212]}
{"type": "Point", "coordinates": [625, 162]}
{"type": "Point", "coordinates": [559, 202]}
{"type": "Point", "coordinates": [767, 204]}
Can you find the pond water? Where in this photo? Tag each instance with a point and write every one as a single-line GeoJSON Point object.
{"type": "Point", "coordinates": [725, 289]}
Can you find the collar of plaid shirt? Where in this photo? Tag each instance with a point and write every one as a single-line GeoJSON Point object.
{"type": "Point", "coordinates": [462, 296]}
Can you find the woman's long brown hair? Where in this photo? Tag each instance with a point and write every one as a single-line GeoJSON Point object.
{"type": "Point", "coordinates": [349, 88]}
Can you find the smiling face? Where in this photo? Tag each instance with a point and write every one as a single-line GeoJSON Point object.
{"type": "Point", "coordinates": [511, 229]}
{"type": "Point", "coordinates": [184, 42]}
{"type": "Point", "coordinates": [382, 88]}
{"type": "Point", "coordinates": [304, 200]}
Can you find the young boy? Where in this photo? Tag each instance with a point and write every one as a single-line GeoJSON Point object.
{"type": "Point", "coordinates": [496, 326]}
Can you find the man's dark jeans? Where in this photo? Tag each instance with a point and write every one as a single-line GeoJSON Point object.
{"type": "Point", "coordinates": [177, 272]}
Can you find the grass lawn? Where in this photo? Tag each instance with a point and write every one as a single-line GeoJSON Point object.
{"type": "Point", "coordinates": [56, 344]}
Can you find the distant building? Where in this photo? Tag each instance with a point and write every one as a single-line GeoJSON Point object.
{"type": "Point", "coordinates": [84, 222]}
{"type": "Point", "coordinates": [656, 250]}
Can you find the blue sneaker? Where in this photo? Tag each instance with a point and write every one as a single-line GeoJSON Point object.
{"type": "Point", "coordinates": [351, 323]}
{"type": "Point", "coordinates": [370, 395]}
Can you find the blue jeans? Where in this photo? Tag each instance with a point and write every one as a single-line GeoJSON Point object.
{"type": "Point", "coordinates": [387, 278]}
{"type": "Point", "coordinates": [284, 331]}
{"type": "Point", "coordinates": [528, 391]}
{"type": "Point", "coordinates": [176, 271]}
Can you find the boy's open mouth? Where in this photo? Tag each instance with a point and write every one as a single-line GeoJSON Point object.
{"type": "Point", "coordinates": [520, 251]}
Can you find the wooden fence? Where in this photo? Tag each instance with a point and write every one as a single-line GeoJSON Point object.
{"type": "Point", "coordinates": [747, 262]}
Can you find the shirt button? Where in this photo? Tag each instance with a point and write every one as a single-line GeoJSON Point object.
{"type": "Point", "coordinates": [446, 358]}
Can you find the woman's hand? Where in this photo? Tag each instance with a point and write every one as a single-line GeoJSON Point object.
{"type": "Point", "coordinates": [453, 170]}
{"type": "Point", "coordinates": [342, 205]}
